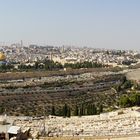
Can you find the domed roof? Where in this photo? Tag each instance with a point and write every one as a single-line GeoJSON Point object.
{"type": "Point", "coordinates": [2, 56]}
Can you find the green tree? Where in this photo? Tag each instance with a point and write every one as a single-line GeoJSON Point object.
{"type": "Point", "coordinates": [69, 112]}
{"type": "Point", "coordinates": [1, 109]}
{"type": "Point", "coordinates": [100, 108]}
{"type": "Point", "coordinates": [127, 84]}
{"type": "Point", "coordinates": [89, 109]}
{"type": "Point", "coordinates": [124, 79]}
{"type": "Point", "coordinates": [53, 111]}
{"type": "Point", "coordinates": [65, 110]}
{"type": "Point", "coordinates": [81, 113]}
{"type": "Point", "coordinates": [125, 101]}
{"type": "Point", "coordinates": [94, 110]}
{"type": "Point", "coordinates": [135, 99]}
{"type": "Point", "coordinates": [76, 111]}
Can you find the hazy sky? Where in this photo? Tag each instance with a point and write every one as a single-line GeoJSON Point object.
{"type": "Point", "coordinates": [94, 23]}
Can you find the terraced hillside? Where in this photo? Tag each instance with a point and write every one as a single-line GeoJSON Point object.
{"type": "Point", "coordinates": [37, 100]}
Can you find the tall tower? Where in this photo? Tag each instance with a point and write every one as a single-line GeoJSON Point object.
{"type": "Point", "coordinates": [21, 43]}
{"type": "Point", "coordinates": [63, 49]}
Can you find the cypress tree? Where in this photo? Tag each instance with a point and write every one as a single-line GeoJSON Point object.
{"type": "Point", "coordinates": [1, 109]}
{"type": "Point", "coordinates": [53, 111]}
{"type": "Point", "coordinates": [100, 108]}
{"type": "Point", "coordinates": [81, 113]}
{"type": "Point", "coordinates": [89, 110]}
{"type": "Point", "coordinates": [94, 110]}
{"type": "Point", "coordinates": [65, 110]}
{"type": "Point", "coordinates": [69, 112]}
{"type": "Point", "coordinates": [76, 112]}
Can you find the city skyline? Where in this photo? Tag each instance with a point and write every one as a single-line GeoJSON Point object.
{"type": "Point", "coordinates": [93, 23]}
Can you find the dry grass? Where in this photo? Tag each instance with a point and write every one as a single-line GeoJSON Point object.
{"type": "Point", "coordinates": [31, 74]}
{"type": "Point", "coordinates": [134, 75]}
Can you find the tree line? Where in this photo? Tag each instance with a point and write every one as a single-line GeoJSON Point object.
{"type": "Point", "coordinates": [50, 65]}
{"type": "Point", "coordinates": [128, 101]}
{"type": "Point", "coordinates": [85, 64]}
{"type": "Point", "coordinates": [66, 111]}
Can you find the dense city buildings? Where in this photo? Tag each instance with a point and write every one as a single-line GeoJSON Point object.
{"type": "Point", "coordinates": [20, 54]}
